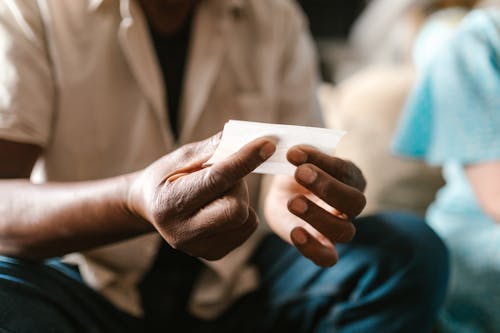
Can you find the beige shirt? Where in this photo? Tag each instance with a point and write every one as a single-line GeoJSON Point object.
{"type": "Point", "coordinates": [80, 78]}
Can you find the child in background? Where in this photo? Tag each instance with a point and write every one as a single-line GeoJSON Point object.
{"type": "Point", "coordinates": [453, 120]}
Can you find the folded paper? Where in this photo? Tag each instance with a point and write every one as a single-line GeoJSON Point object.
{"type": "Point", "coordinates": [238, 133]}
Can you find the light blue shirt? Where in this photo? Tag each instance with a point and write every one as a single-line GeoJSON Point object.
{"type": "Point", "coordinates": [453, 119]}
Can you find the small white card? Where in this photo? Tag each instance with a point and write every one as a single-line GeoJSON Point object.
{"type": "Point", "coordinates": [238, 133]}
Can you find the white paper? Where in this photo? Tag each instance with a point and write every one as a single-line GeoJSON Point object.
{"type": "Point", "coordinates": [238, 133]}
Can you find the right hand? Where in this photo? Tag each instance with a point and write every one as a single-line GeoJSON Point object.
{"type": "Point", "coordinates": [206, 212]}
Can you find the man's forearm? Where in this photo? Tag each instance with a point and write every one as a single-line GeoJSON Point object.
{"type": "Point", "coordinates": [41, 221]}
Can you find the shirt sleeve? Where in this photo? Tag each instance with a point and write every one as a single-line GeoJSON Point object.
{"type": "Point", "coordinates": [26, 80]}
{"type": "Point", "coordinates": [454, 111]}
{"type": "Point", "coordinates": [298, 103]}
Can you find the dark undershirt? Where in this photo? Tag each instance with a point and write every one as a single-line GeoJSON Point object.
{"type": "Point", "coordinates": [172, 53]}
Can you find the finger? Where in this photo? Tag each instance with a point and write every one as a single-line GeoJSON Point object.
{"type": "Point", "coordinates": [212, 182]}
{"type": "Point", "coordinates": [173, 176]}
{"type": "Point", "coordinates": [335, 193]}
{"type": "Point", "coordinates": [228, 212]}
{"type": "Point", "coordinates": [332, 227]}
{"type": "Point", "coordinates": [202, 150]}
{"type": "Point", "coordinates": [311, 248]}
{"type": "Point", "coordinates": [223, 243]}
{"type": "Point", "coordinates": [345, 171]}
{"type": "Point", "coordinates": [243, 162]}
{"type": "Point", "coordinates": [193, 155]}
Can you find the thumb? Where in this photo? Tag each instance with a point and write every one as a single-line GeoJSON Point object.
{"type": "Point", "coordinates": [206, 148]}
{"type": "Point", "coordinates": [194, 156]}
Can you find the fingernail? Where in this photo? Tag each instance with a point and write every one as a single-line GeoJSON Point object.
{"type": "Point", "coordinates": [299, 206]}
{"type": "Point", "coordinates": [297, 156]}
{"type": "Point", "coordinates": [267, 150]}
{"type": "Point", "coordinates": [343, 216]}
{"type": "Point", "coordinates": [299, 236]}
{"type": "Point", "coordinates": [306, 175]}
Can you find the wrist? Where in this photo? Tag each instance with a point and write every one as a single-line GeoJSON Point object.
{"type": "Point", "coordinates": [131, 199]}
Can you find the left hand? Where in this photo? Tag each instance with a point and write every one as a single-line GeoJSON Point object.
{"type": "Point", "coordinates": [314, 209]}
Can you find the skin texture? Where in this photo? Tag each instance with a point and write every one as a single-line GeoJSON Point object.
{"type": "Point", "coordinates": [485, 181]}
{"type": "Point", "coordinates": [314, 209]}
{"type": "Point", "coordinates": [202, 209]}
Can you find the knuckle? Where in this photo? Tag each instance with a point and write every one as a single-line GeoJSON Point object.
{"type": "Point", "coordinates": [232, 240]}
{"type": "Point", "coordinates": [177, 205]}
{"type": "Point", "coordinates": [347, 169]}
{"type": "Point", "coordinates": [187, 152]}
{"type": "Point", "coordinates": [241, 166]}
{"type": "Point", "coordinates": [178, 243]}
{"type": "Point", "coordinates": [249, 226]}
{"type": "Point", "coordinates": [361, 183]}
{"type": "Point", "coordinates": [253, 222]}
{"type": "Point", "coordinates": [353, 175]}
{"type": "Point", "coordinates": [327, 190]}
{"type": "Point", "coordinates": [159, 211]}
{"type": "Point", "coordinates": [180, 237]}
{"type": "Point", "coordinates": [362, 203]}
{"type": "Point", "coordinates": [235, 212]}
{"type": "Point", "coordinates": [216, 179]}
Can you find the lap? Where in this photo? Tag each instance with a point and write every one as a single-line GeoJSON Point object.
{"type": "Point", "coordinates": [390, 278]}
{"type": "Point", "coordinates": [51, 298]}
{"type": "Point", "coordinates": [393, 274]}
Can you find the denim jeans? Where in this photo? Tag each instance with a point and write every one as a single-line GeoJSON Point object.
{"type": "Point", "coordinates": [391, 278]}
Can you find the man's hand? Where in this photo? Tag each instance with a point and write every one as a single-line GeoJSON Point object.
{"type": "Point", "coordinates": [324, 196]}
{"type": "Point", "coordinates": [204, 212]}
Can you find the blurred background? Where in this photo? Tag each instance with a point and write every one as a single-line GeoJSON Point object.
{"type": "Point", "coordinates": [369, 55]}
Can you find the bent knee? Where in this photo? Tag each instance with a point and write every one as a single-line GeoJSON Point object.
{"type": "Point", "coordinates": [407, 243]}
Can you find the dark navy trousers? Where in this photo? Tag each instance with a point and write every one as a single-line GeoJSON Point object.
{"type": "Point", "coordinates": [391, 278]}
